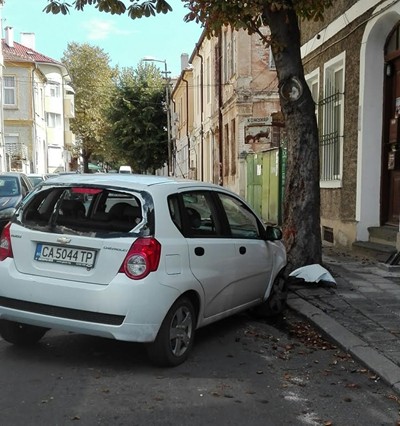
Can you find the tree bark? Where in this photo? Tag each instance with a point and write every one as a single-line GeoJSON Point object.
{"type": "Point", "coordinates": [301, 209]}
{"type": "Point", "coordinates": [86, 157]}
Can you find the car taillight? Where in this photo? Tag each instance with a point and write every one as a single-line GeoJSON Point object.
{"type": "Point", "coordinates": [5, 243]}
{"type": "Point", "coordinates": [143, 257]}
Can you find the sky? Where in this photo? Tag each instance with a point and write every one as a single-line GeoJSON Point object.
{"type": "Point", "coordinates": [126, 41]}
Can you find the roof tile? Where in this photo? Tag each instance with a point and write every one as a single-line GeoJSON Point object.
{"type": "Point", "coordinates": [23, 53]}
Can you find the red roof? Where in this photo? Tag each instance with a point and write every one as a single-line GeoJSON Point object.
{"type": "Point", "coordinates": [23, 53]}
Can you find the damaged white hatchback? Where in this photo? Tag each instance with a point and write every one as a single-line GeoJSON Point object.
{"type": "Point", "coordinates": [135, 258]}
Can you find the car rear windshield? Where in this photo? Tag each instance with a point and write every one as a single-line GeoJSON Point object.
{"type": "Point", "coordinates": [97, 211]}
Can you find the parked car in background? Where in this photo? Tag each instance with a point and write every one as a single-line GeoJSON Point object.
{"type": "Point", "coordinates": [136, 258]}
{"type": "Point", "coordinates": [14, 187]}
{"type": "Point", "coordinates": [125, 169]}
{"type": "Point", "coordinates": [51, 175]}
{"type": "Point", "coordinates": [36, 178]}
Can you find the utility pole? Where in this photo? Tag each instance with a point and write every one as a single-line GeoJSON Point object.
{"type": "Point", "coordinates": [170, 169]}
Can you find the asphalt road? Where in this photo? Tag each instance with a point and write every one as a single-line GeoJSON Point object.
{"type": "Point", "coordinates": [242, 372]}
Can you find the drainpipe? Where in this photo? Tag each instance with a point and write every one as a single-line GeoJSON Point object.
{"type": "Point", "coordinates": [173, 141]}
{"type": "Point", "coordinates": [187, 123]}
{"type": "Point", "coordinates": [201, 110]}
{"type": "Point", "coordinates": [220, 123]}
{"type": "Point", "coordinates": [33, 169]}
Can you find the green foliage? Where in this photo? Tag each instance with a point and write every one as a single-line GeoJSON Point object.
{"type": "Point", "coordinates": [138, 114]}
{"type": "Point", "coordinates": [137, 9]}
{"type": "Point", "coordinates": [92, 79]}
{"type": "Point", "coordinates": [211, 13]}
{"type": "Point", "coordinates": [250, 15]}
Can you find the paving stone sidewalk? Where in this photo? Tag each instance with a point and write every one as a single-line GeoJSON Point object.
{"type": "Point", "coordinates": [361, 314]}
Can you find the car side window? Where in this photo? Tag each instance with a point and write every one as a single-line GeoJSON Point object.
{"type": "Point", "coordinates": [173, 205]}
{"type": "Point", "coordinates": [242, 222]}
{"type": "Point", "coordinates": [196, 215]}
{"type": "Point", "coordinates": [199, 214]}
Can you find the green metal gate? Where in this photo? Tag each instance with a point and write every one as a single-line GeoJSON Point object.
{"type": "Point", "coordinates": [265, 183]}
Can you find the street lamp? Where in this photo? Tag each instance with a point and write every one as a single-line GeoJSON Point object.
{"type": "Point", "coordinates": [167, 97]}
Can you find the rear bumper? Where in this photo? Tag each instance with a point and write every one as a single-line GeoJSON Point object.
{"type": "Point", "coordinates": [123, 310]}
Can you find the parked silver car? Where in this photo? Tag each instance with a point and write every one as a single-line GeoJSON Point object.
{"type": "Point", "coordinates": [14, 186]}
{"type": "Point", "coordinates": [135, 258]}
{"type": "Point", "coordinates": [36, 178]}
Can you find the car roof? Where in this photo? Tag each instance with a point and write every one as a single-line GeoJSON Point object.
{"type": "Point", "coordinates": [125, 181]}
{"type": "Point", "coordinates": [12, 174]}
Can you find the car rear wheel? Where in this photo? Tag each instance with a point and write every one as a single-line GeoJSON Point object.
{"type": "Point", "coordinates": [175, 338]}
{"type": "Point", "coordinates": [21, 334]}
{"type": "Point", "coordinates": [276, 302]}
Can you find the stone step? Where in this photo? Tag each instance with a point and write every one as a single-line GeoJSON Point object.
{"type": "Point", "coordinates": [386, 235]}
{"type": "Point", "coordinates": [373, 250]}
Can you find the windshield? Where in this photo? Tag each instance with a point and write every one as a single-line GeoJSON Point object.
{"type": "Point", "coordinates": [36, 180]}
{"type": "Point", "coordinates": [9, 186]}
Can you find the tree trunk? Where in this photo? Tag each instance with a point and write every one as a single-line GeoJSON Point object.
{"type": "Point", "coordinates": [86, 158]}
{"type": "Point", "coordinates": [301, 210]}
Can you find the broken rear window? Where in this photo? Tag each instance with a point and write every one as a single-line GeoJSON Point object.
{"type": "Point", "coordinates": [84, 210]}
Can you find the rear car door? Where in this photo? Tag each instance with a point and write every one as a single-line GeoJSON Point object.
{"type": "Point", "coordinates": [230, 277]}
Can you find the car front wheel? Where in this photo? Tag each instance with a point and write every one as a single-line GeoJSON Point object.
{"type": "Point", "coordinates": [21, 334]}
{"type": "Point", "coordinates": [175, 338]}
{"type": "Point", "coordinates": [276, 302]}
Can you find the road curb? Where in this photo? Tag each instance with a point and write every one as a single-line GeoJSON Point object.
{"type": "Point", "coordinates": [387, 370]}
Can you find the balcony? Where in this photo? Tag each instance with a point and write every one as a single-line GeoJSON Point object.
{"type": "Point", "coordinates": [69, 108]}
{"type": "Point", "coordinates": [69, 139]}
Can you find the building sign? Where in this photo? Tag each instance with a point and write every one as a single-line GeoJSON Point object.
{"type": "Point", "coordinates": [258, 130]}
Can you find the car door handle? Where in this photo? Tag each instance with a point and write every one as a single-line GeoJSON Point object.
{"type": "Point", "coordinates": [242, 250]}
{"type": "Point", "coordinates": [199, 251]}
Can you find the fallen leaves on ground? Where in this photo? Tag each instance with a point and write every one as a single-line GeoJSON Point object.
{"type": "Point", "coordinates": [309, 336]}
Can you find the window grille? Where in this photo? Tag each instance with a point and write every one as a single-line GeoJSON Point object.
{"type": "Point", "coordinates": [331, 137]}
{"type": "Point", "coordinates": [331, 116]}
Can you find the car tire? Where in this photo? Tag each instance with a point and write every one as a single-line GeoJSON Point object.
{"type": "Point", "coordinates": [21, 334]}
{"type": "Point", "coordinates": [175, 338]}
{"type": "Point", "coordinates": [276, 302]}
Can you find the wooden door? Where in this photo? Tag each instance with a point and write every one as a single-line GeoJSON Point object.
{"type": "Point", "coordinates": [391, 146]}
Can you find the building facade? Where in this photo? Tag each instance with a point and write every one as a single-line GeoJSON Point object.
{"type": "Point", "coordinates": [224, 103]}
{"type": "Point", "coordinates": [37, 107]}
{"type": "Point", "coordinates": [351, 61]}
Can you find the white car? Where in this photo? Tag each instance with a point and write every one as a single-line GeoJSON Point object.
{"type": "Point", "coordinates": [135, 258]}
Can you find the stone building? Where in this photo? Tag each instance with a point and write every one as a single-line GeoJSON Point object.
{"type": "Point", "coordinates": [224, 102]}
{"type": "Point", "coordinates": [351, 61]}
{"type": "Point", "coordinates": [38, 103]}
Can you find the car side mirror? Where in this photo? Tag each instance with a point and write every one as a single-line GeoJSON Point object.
{"type": "Point", "coordinates": [273, 233]}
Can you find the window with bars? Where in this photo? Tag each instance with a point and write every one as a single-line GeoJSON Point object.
{"type": "Point", "coordinates": [331, 117]}
{"type": "Point", "coordinates": [14, 147]}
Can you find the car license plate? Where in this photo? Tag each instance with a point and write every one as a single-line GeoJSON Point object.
{"type": "Point", "coordinates": [66, 255]}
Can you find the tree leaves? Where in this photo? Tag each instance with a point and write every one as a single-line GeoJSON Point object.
{"type": "Point", "coordinates": [139, 118]}
{"type": "Point", "coordinates": [212, 14]}
{"type": "Point", "coordinates": [56, 7]}
{"type": "Point", "coordinates": [93, 94]}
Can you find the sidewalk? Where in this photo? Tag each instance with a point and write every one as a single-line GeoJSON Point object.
{"type": "Point", "coordinates": [361, 314]}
